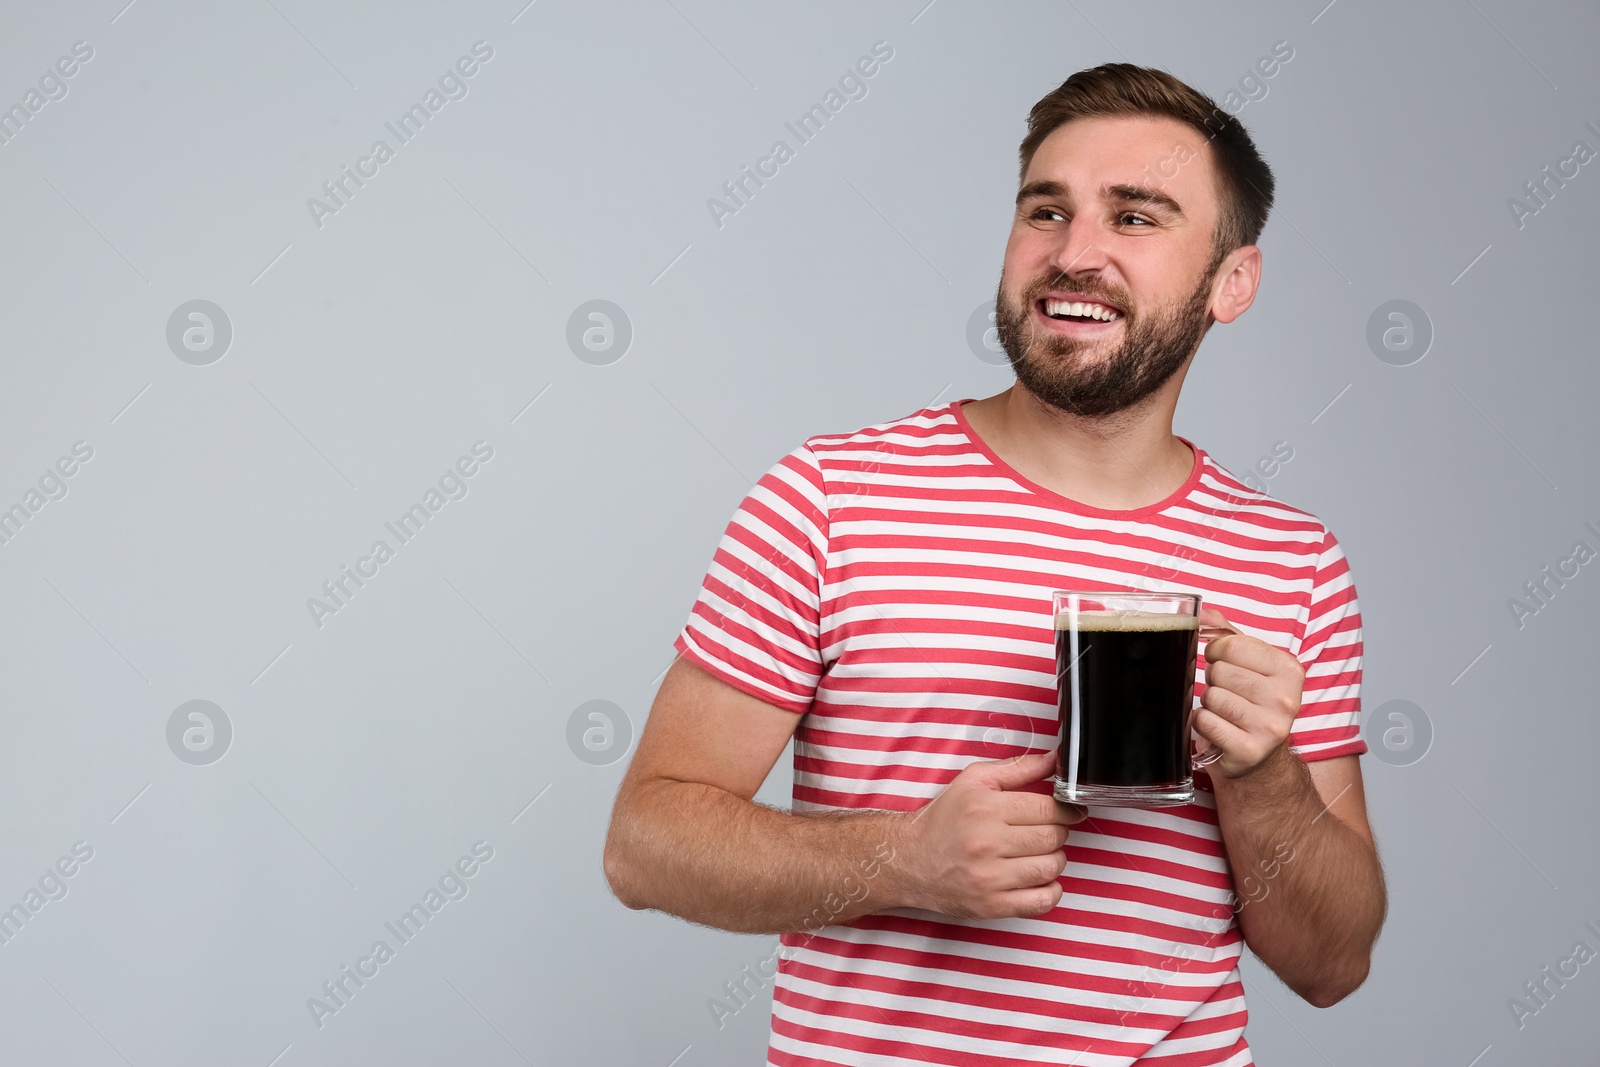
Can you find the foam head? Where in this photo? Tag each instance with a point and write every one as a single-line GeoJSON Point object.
{"type": "Point", "coordinates": [1136, 621]}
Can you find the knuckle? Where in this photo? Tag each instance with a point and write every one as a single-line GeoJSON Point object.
{"type": "Point", "coordinates": [1049, 898]}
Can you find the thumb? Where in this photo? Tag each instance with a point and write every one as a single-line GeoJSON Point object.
{"type": "Point", "coordinates": [1019, 771]}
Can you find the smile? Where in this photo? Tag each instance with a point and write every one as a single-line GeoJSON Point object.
{"type": "Point", "coordinates": [1077, 317]}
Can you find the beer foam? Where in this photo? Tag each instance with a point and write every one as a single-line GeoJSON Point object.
{"type": "Point", "coordinates": [1137, 621]}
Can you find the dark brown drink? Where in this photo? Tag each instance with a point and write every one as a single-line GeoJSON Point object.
{"type": "Point", "coordinates": [1126, 689]}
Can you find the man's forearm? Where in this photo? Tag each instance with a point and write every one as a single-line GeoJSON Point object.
{"type": "Point", "coordinates": [706, 855]}
{"type": "Point", "coordinates": [1311, 890]}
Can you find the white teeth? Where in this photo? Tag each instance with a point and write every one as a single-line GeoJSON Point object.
{"type": "Point", "coordinates": [1097, 311]}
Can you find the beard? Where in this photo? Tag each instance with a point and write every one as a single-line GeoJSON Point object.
{"type": "Point", "coordinates": [1064, 372]}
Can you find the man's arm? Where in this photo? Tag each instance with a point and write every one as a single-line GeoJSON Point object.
{"type": "Point", "coordinates": [1302, 854]}
{"type": "Point", "coordinates": [1307, 871]}
{"type": "Point", "coordinates": [687, 839]}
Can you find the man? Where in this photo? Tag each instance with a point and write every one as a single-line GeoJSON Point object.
{"type": "Point", "coordinates": [883, 597]}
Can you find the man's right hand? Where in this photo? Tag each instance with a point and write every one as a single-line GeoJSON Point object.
{"type": "Point", "coordinates": [985, 848]}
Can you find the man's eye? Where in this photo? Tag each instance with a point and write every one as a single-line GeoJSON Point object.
{"type": "Point", "coordinates": [1137, 218]}
{"type": "Point", "coordinates": [1046, 211]}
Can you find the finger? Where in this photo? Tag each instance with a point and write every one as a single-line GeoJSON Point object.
{"type": "Point", "coordinates": [1231, 706]}
{"type": "Point", "coordinates": [1224, 735]}
{"type": "Point", "coordinates": [1251, 653]}
{"type": "Point", "coordinates": [1031, 809]}
{"type": "Point", "coordinates": [1016, 772]}
{"type": "Point", "coordinates": [1256, 688]}
{"type": "Point", "coordinates": [1027, 903]}
{"type": "Point", "coordinates": [1035, 840]}
{"type": "Point", "coordinates": [1029, 871]}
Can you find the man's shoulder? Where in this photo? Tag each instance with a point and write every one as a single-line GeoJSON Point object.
{"type": "Point", "coordinates": [907, 432]}
{"type": "Point", "coordinates": [1250, 500]}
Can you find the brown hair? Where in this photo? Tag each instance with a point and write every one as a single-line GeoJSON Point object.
{"type": "Point", "coordinates": [1242, 178]}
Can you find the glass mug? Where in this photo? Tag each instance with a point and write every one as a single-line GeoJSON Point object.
{"type": "Point", "coordinates": [1125, 667]}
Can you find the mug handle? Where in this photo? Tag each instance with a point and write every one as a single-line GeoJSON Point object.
{"type": "Point", "coordinates": [1209, 753]}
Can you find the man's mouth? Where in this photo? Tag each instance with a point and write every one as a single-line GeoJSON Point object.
{"type": "Point", "coordinates": [1087, 314]}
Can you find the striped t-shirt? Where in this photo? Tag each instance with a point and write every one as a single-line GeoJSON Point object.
{"type": "Point", "coordinates": [893, 586]}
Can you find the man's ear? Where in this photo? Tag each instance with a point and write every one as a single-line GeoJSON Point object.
{"type": "Point", "coordinates": [1235, 287]}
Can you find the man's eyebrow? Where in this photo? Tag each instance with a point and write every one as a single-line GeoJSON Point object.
{"type": "Point", "coordinates": [1125, 194]}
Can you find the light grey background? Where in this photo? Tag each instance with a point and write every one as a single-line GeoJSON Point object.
{"type": "Point", "coordinates": [371, 352]}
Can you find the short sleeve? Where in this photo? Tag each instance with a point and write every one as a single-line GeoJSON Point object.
{"type": "Point", "coordinates": [1330, 651]}
{"type": "Point", "coordinates": [756, 622]}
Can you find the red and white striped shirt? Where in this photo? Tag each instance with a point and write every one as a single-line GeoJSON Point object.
{"type": "Point", "coordinates": [893, 586]}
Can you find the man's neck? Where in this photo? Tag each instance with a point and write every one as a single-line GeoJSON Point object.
{"type": "Point", "coordinates": [1121, 463]}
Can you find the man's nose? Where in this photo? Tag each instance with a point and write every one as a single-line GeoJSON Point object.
{"type": "Point", "coordinates": [1077, 246]}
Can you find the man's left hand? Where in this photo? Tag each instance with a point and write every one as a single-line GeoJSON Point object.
{"type": "Point", "coordinates": [1252, 695]}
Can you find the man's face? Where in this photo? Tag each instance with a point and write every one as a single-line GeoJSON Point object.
{"type": "Point", "coordinates": [1147, 258]}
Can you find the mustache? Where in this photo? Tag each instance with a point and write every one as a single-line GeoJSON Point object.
{"type": "Point", "coordinates": [1092, 292]}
